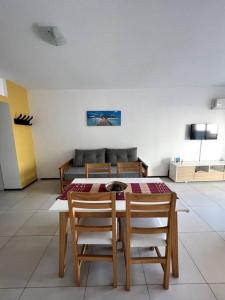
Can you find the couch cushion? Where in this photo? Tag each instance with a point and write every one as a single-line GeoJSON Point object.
{"type": "Point", "coordinates": [79, 172]}
{"type": "Point", "coordinates": [124, 175]}
{"type": "Point", "coordinates": [88, 156]}
{"type": "Point", "coordinates": [121, 155]}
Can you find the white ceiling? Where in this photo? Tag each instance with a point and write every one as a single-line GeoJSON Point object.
{"type": "Point", "coordinates": [114, 43]}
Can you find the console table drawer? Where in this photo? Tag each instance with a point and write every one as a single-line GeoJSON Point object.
{"type": "Point", "coordinates": [207, 176]}
{"type": "Point", "coordinates": [197, 171]}
{"type": "Point", "coordinates": [185, 173]}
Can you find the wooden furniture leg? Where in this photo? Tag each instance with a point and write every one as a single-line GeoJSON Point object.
{"type": "Point", "coordinates": [63, 221]}
{"type": "Point", "coordinates": [175, 261]}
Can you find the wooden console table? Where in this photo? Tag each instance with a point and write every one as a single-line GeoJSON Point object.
{"type": "Point", "coordinates": [197, 171]}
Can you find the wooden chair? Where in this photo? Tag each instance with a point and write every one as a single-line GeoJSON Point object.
{"type": "Point", "coordinates": [93, 222]}
{"type": "Point", "coordinates": [98, 168]}
{"type": "Point", "coordinates": [132, 167]}
{"type": "Point", "coordinates": [142, 209]}
{"type": "Point", "coordinates": [64, 183]}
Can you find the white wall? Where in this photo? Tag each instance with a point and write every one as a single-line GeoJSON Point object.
{"type": "Point", "coordinates": [8, 157]}
{"type": "Point", "coordinates": [154, 120]}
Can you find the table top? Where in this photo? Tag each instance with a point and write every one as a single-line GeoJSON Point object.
{"type": "Point", "coordinates": [62, 205]}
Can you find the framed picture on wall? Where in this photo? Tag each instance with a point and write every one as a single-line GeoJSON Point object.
{"type": "Point", "coordinates": [103, 118]}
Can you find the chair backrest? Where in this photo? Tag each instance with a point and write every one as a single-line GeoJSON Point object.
{"type": "Point", "coordinates": [96, 205]}
{"type": "Point", "coordinates": [104, 168]}
{"type": "Point", "coordinates": [129, 167]}
{"type": "Point", "coordinates": [149, 206]}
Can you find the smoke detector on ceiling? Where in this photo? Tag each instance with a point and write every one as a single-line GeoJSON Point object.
{"type": "Point", "coordinates": [49, 33]}
{"type": "Point", "coordinates": [218, 104]}
{"type": "Point", "coordinates": [56, 36]}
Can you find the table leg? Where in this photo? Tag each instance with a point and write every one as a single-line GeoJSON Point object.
{"type": "Point", "coordinates": [63, 221]}
{"type": "Point", "coordinates": [175, 261]}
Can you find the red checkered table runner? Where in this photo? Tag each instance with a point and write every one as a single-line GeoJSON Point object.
{"type": "Point", "coordinates": [148, 188]}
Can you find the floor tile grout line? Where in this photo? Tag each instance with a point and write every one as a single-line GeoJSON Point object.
{"type": "Point", "coordinates": [11, 206]}
{"type": "Point", "coordinates": [26, 194]}
{"type": "Point", "coordinates": [14, 235]}
{"type": "Point", "coordinates": [55, 234]}
{"type": "Point", "coordinates": [149, 292]}
{"type": "Point", "coordinates": [35, 268]}
{"type": "Point", "coordinates": [212, 292]}
{"type": "Point", "coordinates": [23, 224]}
{"type": "Point", "coordinates": [84, 296]}
{"type": "Point", "coordinates": [88, 271]}
{"type": "Point", "coordinates": [194, 210]}
{"type": "Point", "coordinates": [204, 220]}
{"type": "Point", "coordinates": [205, 195]}
{"type": "Point", "coordinates": [34, 212]}
{"type": "Point", "coordinates": [206, 284]}
{"type": "Point", "coordinates": [144, 275]}
{"type": "Point", "coordinates": [220, 235]}
{"type": "Point", "coordinates": [21, 294]}
{"type": "Point", "coordinates": [30, 235]}
{"type": "Point", "coordinates": [106, 285]}
{"type": "Point", "coordinates": [85, 287]}
{"type": "Point", "coordinates": [192, 259]}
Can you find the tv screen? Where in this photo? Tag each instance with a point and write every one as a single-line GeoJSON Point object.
{"type": "Point", "coordinates": [198, 131]}
{"type": "Point", "coordinates": [203, 131]}
{"type": "Point", "coordinates": [211, 131]}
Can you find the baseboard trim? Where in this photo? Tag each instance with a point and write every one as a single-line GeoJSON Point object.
{"type": "Point", "coordinates": [22, 187]}
{"type": "Point", "coordinates": [157, 176]}
{"type": "Point", "coordinates": [50, 178]}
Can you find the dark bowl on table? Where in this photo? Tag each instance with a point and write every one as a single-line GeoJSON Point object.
{"type": "Point", "coordinates": [116, 186]}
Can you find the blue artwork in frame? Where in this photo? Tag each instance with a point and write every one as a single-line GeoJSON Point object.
{"type": "Point", "coordinates": [104, 118]}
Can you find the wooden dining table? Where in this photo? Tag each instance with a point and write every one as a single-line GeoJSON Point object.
{"type": "Point", "coordinates": [61, 206]}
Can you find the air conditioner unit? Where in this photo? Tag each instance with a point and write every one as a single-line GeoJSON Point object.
{"type": "Point", "coordinates": [218, 103]}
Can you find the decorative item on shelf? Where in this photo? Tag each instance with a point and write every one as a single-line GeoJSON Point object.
{"type": "Point", "coordinates": [23, 120]}
{"type": "Point", "coordinates": [177, 159]}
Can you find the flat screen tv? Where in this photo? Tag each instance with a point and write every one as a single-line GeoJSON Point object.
{"type": "Point", "coordinates": [203, 131]}
{"type": "Point", "coordinates": [211, 131]}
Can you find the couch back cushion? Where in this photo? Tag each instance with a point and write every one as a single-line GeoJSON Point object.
{"type": "Point", "coordinates": [121, 155]}
{"type": "Point", "coordinates": [88, 156]}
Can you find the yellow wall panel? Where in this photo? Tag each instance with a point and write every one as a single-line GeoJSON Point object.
{"type": "Point", "coordinates": [18, 103]}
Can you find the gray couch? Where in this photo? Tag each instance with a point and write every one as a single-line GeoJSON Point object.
{"type": "Point", "coordinates": [75, 167]}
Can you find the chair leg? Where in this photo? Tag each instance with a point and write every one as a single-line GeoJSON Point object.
{"type": "Point", "coordinates": [77, 272]}
{"type": "Point", "coordinates": [119, 230]}
{"type": "Point", "coordinates": [174, 254]}
{"type": "Point", "coordinates": [76, 264]}
{"type": "Point", "coordinates": [167, 271]}
{"type": "Point", "coordinates": [127, 270]}
{"type": "Point", "coordinates": [127, 276]}
{"type": "Point", "coordinates": [114, 265]}
{"type": "Point", "coordinates": [63, 222]}
{"type": "Point", "coordinates": [123, 246]}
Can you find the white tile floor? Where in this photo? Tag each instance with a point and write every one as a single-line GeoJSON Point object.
{"type": "Point", "coordinates": [29, 251]}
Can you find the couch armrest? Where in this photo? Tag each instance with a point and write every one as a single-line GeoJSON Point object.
{"type": "Point", "coordinates": [144, 167]}
{"type": "Point", "coordinates": [62, 170]}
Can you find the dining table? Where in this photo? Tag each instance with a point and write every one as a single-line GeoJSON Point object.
{"type": "Point", "coordinates": [139, 185]}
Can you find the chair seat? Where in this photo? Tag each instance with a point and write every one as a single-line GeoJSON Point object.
{"type": "Point", "coordinates": [95, 238]}
{"type": "Point", "coordinates": [147, 240]}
